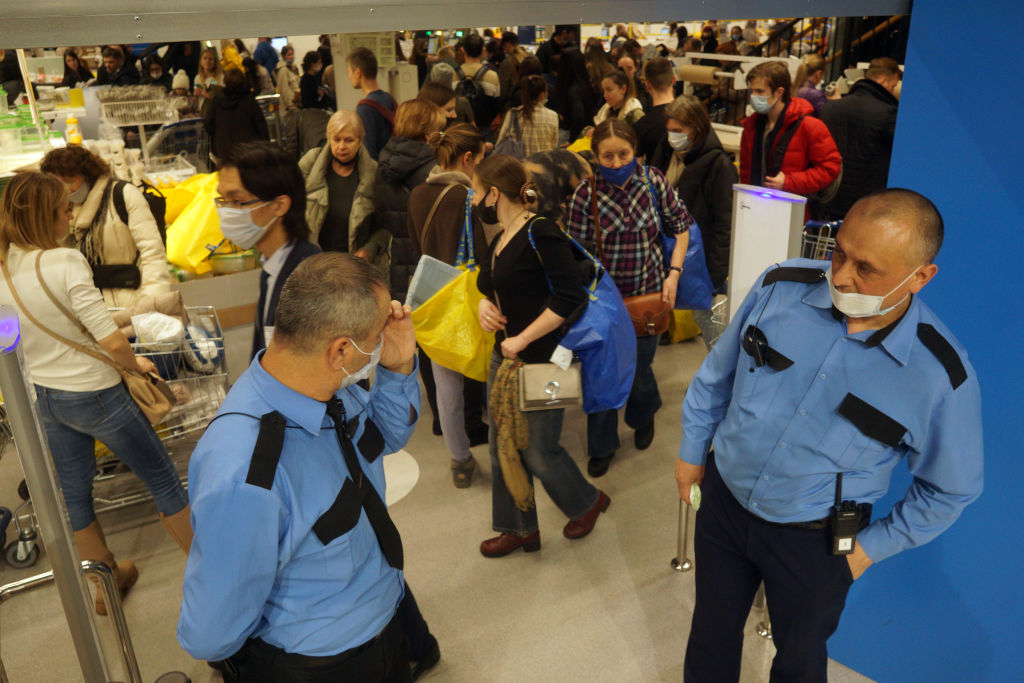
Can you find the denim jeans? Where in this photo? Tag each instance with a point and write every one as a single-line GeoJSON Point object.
{"type": "Point", "coordinates": [643, 402]}
{"type": "Point", "coordinates": [74, 419]}
{"type": "Point", "coordinates": [545, 459]}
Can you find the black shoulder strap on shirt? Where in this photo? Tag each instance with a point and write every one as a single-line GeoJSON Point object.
{"type": "Point", "coordinates": [945, 352]}
{"type": "Point", "coordinates": [793, 274]}
{"type": "Point", "coordinates": [267, 452]}
{"type": "Point", "coordinates": [781, 144]}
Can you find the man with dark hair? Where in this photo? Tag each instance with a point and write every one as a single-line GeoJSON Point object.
{"type": "Point", "coordinates": [115, 69]}
{"type": "Point", "coordinates": [262, 204]}
{"type": "Point", "coordinates": [551, 49]}
{"type": "Point", "coordinates": [481, 86]}
{"type": "Point", "coordinates": [266, 55]}
{"type": "Point", "coordinates": [783, 146]}
{"type": "Point", "coordinates": [508, 70]}
{"type": "Point", "coordinates": [660, 79]}
{"type": "Point", "coordinates": [630, 66]}
{"type": "Point", "coordinates": [828, 376]}
{"type": "Point", "coordinates": [377, 108]}
{"type": "Point", "coordinates": [296, 567]}
{"type": "Point", "coordinates": [863, 125]}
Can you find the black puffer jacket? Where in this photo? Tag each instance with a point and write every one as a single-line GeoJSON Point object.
{"type": "Point", "coordinates": [402, 165]}
{"type": "Point", "coordinates": [862, 124]}
{"type": "Point", "coordinates": [705, 186]}
{"type": "Point", "coordinates": [234, 117]}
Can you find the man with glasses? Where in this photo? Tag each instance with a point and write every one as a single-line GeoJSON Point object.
{"type": "Point", "coordinates": [262, 204]}
{"type": "Point", "coordinates": [296, 567]}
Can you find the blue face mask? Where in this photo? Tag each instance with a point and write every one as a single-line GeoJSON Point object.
{"type": "Point", "coordinates": [760, 104]}
{"type": "Point", "coordinates": [618, 176]}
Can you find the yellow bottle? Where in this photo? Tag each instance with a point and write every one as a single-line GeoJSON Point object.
{"type": "Point", "coordinates": [72, 132]}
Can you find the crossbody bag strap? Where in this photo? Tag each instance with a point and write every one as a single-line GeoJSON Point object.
{"type": "Point", "coordinates": [654, 199]}
{"type": "Point", "coordinates": [64, 340]}
{"type": "Point", "coordinates": [433, 210]}
{"type": "Point", "coordinates": [597, 220]}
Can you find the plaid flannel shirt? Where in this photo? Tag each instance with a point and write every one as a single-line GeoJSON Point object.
{"type": "Point", "coordinates": [633, 251]}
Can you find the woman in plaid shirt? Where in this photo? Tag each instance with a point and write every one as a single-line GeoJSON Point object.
{"type": "Point", "coordinates": [631, 213]}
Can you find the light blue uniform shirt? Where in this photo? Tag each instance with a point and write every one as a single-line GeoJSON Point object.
{"type": "Point", "coordinates": [779, 438]}
{"type": "Point", "coordinates": [256, 569]}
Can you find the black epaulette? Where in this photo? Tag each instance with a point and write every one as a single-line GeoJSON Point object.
{"type": "Point", "coordinates": [945, 352]}
{"type": "Point", "coordinates": [793, 274]}
{"type": "Point", "coordinates": [267, 451]}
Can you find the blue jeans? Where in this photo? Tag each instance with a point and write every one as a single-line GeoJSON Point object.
{"type": "Point", "coordinates": [545, 459]}
{"type": "Point", "coordinates": [643, 402]}
{"type": "Point", "coordinates": [74, 419]}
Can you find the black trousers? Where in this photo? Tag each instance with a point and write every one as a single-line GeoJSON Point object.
{"type": "Point", "coordinates": [805, 588]}
{"type": "Point", "coordinates": [383, 659]}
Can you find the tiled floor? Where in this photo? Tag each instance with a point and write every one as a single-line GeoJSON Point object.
{"type": "Point", "coordinates": [604, 608]}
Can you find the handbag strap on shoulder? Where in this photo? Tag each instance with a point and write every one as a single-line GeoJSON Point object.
{"type": "Point", "coordinates": [63, 309]}
{"type": "Point", "coordinates": [596, 217]}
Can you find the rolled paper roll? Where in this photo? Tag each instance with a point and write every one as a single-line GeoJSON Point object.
{"type": "Point", "coordinates": [693, 73]}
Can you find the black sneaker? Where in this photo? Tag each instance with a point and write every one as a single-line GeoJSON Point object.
{"type": "Point", "coordinates": [426, 662]}
{"type": "Point", "coordinates": [598, 466]}
{"type": "Point", "coordinates": [643, 437]}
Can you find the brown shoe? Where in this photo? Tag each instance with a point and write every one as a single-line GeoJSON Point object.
{"type": "Point", "coordinates": [500, 546]}
{"type": "Point", "coordinates": [93, 546]}
{"type": "Point", "coordinates": [578, 528]}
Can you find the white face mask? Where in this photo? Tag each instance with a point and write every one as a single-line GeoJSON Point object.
{"type": "Point", "coordinates": [854, 305]}
{"type": "Point", "coordinates": [79, 196]}
{"type": "Point", "coordinates": [366, 370]}
{"type": "Point", "coordinates": [679, 141]}
{"type": "Point", "coordinates": [237, 225]}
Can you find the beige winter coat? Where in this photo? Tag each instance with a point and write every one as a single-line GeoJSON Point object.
{"type": "Point", "coordinates": [287, 84]}
{"type": "Point", "coordinates": [120, 243]}
{"type": "Point", "coordinates": [361, 233]}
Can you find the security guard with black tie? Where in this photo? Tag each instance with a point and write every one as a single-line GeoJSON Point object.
{"type": "Point", "coordinates": [828, 376]}
{"type": "Point", "coordinates": [295, 571]}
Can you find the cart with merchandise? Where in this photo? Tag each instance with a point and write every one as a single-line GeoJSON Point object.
{"type": "Point", "coordinates": [196, 371]}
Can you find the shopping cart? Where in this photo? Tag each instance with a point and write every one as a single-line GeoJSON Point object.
{"type": "Point", "coordinates": [819, 239]}
{"type": "Point", "coordinates": [186, 137]}
{"type": "Point", "coordinates": [196, 371]}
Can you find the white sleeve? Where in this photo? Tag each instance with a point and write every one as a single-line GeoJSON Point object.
{"type": "Point", "coordinates": [86, 300]}
{"type": "Point", "coordinates": [156, 278]}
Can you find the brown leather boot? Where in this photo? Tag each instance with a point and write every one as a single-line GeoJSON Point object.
{"type": "Point", "coordinates": [502, 545]}
{"type": "Point", "coordinates": [93, 546]}
{"type": "Point", "coordinates": [179, 527]}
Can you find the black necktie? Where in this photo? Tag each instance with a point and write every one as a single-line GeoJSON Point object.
{"type": "Point", "coordinates": [387, 534]}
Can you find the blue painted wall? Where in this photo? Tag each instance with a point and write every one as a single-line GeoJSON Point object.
{"type": "Point", "coordinates": [953, 610]}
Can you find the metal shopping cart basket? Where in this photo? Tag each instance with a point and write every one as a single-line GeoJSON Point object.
{"type": "Point", "coordinates": [819, 239]}
{"type": "Point", "coordinates": [196, 371]}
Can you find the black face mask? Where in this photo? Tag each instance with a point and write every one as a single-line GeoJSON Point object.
{"type": "Point", "coordinates": [488, 214]}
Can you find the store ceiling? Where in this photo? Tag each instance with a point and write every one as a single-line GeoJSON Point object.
{"type": "Point", "coordinates": [47, 23]}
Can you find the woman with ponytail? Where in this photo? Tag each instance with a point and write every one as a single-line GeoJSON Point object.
{"type": "Point", "coordinates": [538, 125]}
{"type": "Point", "coordinates": [809, 76]}
{"type": "Point", "coordinates": [532, 286]}
{"type": "Point", "coordinates": [437, 216]}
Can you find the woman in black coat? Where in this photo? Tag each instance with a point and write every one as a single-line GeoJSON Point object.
{"type": "Point", "coordinates": [403, 164]}
{"type": "Point", "coordinates": [75, 71]}
{"type": "Point", "coordinates": [233, 115]}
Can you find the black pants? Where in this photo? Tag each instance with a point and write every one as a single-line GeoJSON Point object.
{"type": "Point", "coordinates": [384, 659]}
{"type": "Point", "coordinates": [805, 588]}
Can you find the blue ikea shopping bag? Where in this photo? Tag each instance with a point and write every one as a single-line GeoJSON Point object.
{"type": "Point", "coordinates": [694, 288]}
{"type": "Point", "coordinates": [603, 337]}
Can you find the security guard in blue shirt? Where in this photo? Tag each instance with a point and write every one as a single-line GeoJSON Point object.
{"type": "Point", "coordinates": [825, 379]}
{"type": "Point", "coordinates": [295, 570]}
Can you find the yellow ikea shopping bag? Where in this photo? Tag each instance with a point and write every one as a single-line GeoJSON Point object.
{"type": "Point", "coordinates": [195, 227]}
{"type": "Point", "coordinates": [448, 331]}
{"type": "Point", "coordinates": [682, 326]}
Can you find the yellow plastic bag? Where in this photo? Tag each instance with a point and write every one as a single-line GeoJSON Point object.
{"type": "Point", "coordinates": [195, 227]}
{"type": "Point", "coordinates": [448, 331]}
{"type": "Point", "coordinates": [182, 194]}
{"type": "Point", "coordinates": [682, 326]}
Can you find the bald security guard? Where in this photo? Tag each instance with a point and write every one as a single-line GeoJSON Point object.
{"type": "Point", "coordinates": [825, 379]}
{"type": "Point", "coordinates": [296, 567]}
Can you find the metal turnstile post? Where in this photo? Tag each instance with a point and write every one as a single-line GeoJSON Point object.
{"type": "Point", "coordinates": [46, 499]}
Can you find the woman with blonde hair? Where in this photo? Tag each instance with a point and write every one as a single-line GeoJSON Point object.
{"type": "Point", "coordinates": [532, 284]}
{"type": "Point", "coordinates": [809, 76]}
{"type": "Point", "coordinates": [209, 78]}
{"type": "Point", "coordinates": [404, 163]}
{"type": "Point", "coordinates": [74, 352]}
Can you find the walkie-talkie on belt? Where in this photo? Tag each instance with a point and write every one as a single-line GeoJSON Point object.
{"type": "Point", "coordinates": [844, 522]}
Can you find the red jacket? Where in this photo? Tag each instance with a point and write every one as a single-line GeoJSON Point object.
{"type": "Point", "coordinates": [812, 160]}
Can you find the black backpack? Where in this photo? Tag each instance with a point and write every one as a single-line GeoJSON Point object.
{"type": "Point", "coordinates": [156, 200]}
{"type": "Point", "coordinates": [822, 196]}
{"type": "Point", "coordinates": [485, 107]}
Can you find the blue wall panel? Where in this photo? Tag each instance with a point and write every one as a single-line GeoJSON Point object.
{"type": "Point", "coordinates": [953, 609]}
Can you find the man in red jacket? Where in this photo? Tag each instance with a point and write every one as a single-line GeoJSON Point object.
{"type": "Point", "coordinates": [809, 162]}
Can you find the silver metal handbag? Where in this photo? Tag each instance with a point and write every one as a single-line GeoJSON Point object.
{"type": "Point", "coordinates": [545, 386]}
